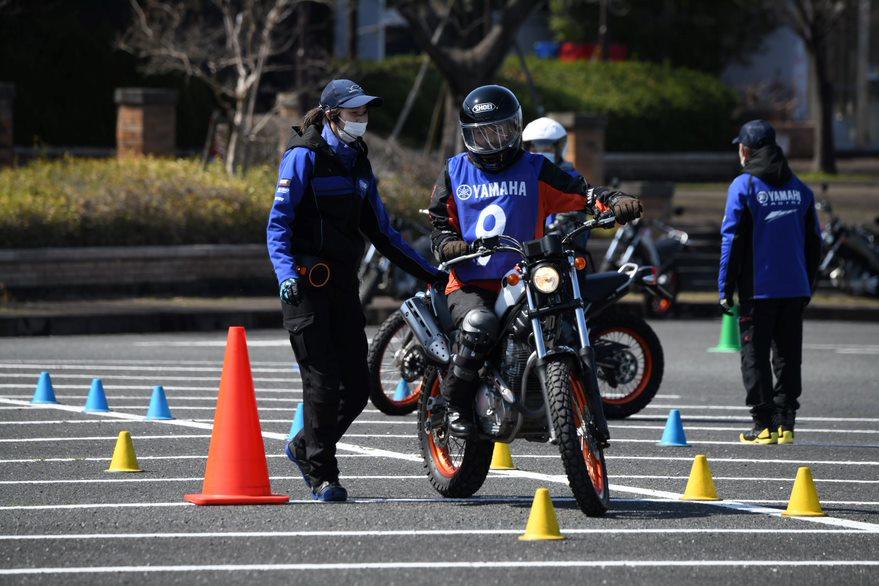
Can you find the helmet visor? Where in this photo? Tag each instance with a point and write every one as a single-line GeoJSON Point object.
{"type": "Point", "coordinates": [485, 138]}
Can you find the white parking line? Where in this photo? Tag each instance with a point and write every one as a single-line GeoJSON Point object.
{"type": "Point", "coordinates": [145, 396]}
{"type": "Point", "coordinates": [691, 417]}
{"type": "Point", "coordinates": [62, 366]}
{"type": "Point", "coordinates": [117, 422]}
{"type": "Point", "coordinates": [347, 447]}
{"type": "Point", "coordinates": [97, 438]}
{"type": "Point", "coordinates": [109, 387]}
{"type": "Point", "coordinates": [152, 377]}
{"type": "Point", "coordinates": [442, 565]}
{"type": "Point", "coordinates": [136, 479]}
{"type": "Point", "coordinates": [739, 429]}
{"type": "Point", "coordinates": [411, 533]}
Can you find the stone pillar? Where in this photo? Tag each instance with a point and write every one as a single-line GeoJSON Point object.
{"type": "Point", "coordinates": [585, 143]}
{"type": "Point", "coordinates": [146, 121]}
{"type": "Point", "coordinates": [7, 96]}
{"type": "Point", "coordinates": [289, 107]}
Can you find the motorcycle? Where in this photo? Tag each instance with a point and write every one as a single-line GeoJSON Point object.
{"type": "Point", "coordinates": [654, 243]}
{"type": "Point", "coordinates": [850, 260]}
{"type": "Point", "coordinates": [378, 275]}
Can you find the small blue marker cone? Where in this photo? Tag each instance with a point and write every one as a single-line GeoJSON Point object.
{"type": "Point", "coordinates": [674, 431]}
{"type": "Point", "coordinates": [97, 399]}
{"type": "Point", "coordinates": [44, 394]}
{"type": "Point", "coordinates": [159, 405]}
{"type": "Point", "coordinates": [403, 391]}
{"type": "Point", "coordinates": [298, 421]}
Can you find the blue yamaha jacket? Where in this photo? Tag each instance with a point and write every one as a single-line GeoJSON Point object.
{"type": "Point", "coordinates": [770, 235]}
{"type": "Point", "coordinates": [326, 200]}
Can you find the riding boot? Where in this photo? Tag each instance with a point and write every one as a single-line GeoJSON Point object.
{"type": "Point", "coordinates": [459, 393]}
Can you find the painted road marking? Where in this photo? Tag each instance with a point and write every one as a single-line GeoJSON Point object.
{"type": "Point", "coordinates": [50, 367]}
{"type": "Point", "coordinates": [441, 565]}
{"type": "Point", "coordinates": [406, 477]}
{"type": "Point", "coordinates": [691, 417]}
{"type": "Point", "coordinates": [409, 533]}
{"type": "Point", "coordinates": [344, 446]}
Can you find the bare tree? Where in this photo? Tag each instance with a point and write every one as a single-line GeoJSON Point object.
{"type": "Point", "coordinates": [470, 49]}
{"type": "Point", "coordinates": [814, 21]}
{"type": "Point", "coordinates": [229, 45]}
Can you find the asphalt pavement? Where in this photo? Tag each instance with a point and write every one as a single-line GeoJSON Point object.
{"type": "Point", "coordinates": [63, 519]}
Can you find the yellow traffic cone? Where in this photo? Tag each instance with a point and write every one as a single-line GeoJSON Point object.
{"type": "Point", "coordinates": [804, 497]}
{"type": "Point", "coordinates": [501, 459]}
{"type": "Point", "coordinates": [700, 486]}
{"type": "Point", "coordinates": [542, 522]}
{"type": "Point", "coordinates": [124, 459]}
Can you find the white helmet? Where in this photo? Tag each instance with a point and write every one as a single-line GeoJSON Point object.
{"type": "Point", "coordinates": [547, 137]}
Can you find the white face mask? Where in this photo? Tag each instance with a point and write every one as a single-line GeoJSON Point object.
{"type": "Point", "coordinates": [550, 156]}
{"type": "Point", "coordinates": [351, 131]}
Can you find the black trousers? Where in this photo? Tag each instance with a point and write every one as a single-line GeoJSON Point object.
{"type": "Point", "coordinates": [459, 391]}
{"type": "Point", "coordinates": [772, 326]}
{"type": "Point", "coordinates": [327, 334]}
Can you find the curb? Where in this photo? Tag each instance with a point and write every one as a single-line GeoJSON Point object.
{"type": "Point", "coordinates": [207, 320]}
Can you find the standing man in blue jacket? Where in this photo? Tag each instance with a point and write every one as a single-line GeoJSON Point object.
{"type": "Point", "coordinates": [769, 254]}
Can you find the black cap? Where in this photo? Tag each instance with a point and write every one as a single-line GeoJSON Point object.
{"type": "Point", "coordinates": [344, 93]}
{"type": "Point", "coordinates": [755, 134]}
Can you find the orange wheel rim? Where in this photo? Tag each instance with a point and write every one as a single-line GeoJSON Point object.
{"type": "Point", "coordinates": [440, 454]}
{"type": "Point", "coordinates": [593, 462]}
{"type": "Point", "coordinates": [645, 375]}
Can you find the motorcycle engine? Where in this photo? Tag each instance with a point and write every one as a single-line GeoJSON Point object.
{"type": "Point", "coordinates": [496, 416]}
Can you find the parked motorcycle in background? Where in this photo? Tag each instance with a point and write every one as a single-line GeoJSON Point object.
{"type": "Point", "coordinates": [650, 242]}
{"type": "Point", "coordinates": [378, 276]}
{"type": "Point", "coordinates": [850, 256]}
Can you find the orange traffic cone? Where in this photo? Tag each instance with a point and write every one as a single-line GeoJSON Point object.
{"type": "Point", "coordinates": [236, 473]}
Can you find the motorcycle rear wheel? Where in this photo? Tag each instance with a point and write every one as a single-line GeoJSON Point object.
{"type": "Point", "coordinates": [456, 467]}
{"type": "Point", "coordinates": [637, 374]}
{"type": "Point", "coordinates": [582, 454]}
{"type": "Point", "coordinates": [391, 345]}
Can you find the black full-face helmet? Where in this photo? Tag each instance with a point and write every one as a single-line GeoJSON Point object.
{"type": "Point", "coordinates": [491, 124]}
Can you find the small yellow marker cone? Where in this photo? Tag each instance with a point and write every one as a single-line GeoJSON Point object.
{"type": "Point", "coordinates": [124, 459]}
{"type": "Point", "coordinates": [804, 497]}
{"type": "Point", "coordinates": [542, 522]}
{"type": "Point", "coordinates": [700, 486]}
{"type": "Point", "coordinates": [501, 459]}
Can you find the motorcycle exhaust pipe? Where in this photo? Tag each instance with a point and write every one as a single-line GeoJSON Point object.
{"type": "Point", "coordinates": [421, 321]}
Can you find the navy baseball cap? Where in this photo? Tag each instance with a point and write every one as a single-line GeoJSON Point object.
{"type": "Point", "coordinates": [344, 93]}
{"type": "Point", "coordinates": [755, 134]}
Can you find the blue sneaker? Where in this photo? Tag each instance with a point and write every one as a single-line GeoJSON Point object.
{"type": "Point", "coordinates": [330, 492]}
{"type": "Point", "coordinates": [290, 450]}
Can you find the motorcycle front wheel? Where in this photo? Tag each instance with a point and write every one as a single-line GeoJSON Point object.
{"type": "Point", "coordinates": [582, 454]}
{"type": "Point", "coordinates": [396, 364]}
{"type": "Point", "coordinates": [629, 363]}
{"type": "Point", "coordinates": [455, 467]}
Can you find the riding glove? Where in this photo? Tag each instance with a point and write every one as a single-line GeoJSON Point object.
{"type": "Point", "coordinates": [625, 207]}
{"type": "Point", "coordinates": [453, 249]}
{"type": "Point", "coordinates": [291, 291]}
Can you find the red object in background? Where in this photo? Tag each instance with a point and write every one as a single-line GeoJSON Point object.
{"type": "Point", "coordinates": [579, 51]}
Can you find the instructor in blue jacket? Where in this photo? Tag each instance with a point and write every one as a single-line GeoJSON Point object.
{"type": "Point", "coordinates": [325, 202]}
{"type": "Point", "coordinates": [769, 254]}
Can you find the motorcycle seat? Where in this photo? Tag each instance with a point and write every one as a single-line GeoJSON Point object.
{"type": "Point", "coordinates": [440, 302]}
{"type": "Point", "coordinates": [598, 286]}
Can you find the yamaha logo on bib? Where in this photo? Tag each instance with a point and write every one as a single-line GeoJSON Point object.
{"type": "Point", "coordinates": [762, 198]}
{"type": "Point", "coordinates": [779, 197]}
{"type": "Point", "coordinates": [464, 192]}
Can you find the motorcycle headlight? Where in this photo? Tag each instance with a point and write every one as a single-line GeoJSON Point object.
{"type": "Point", "coordinates": [546, 279]}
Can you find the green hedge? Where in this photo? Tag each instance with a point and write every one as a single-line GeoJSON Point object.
{"type": "Point", "coordinates": [87, 202]}
{"type": "Point", "coordinates": [650, 107]}
{"type": "Point", "coordinates": [148, 201]}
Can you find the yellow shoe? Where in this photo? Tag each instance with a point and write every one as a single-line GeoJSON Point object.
{"type": "Point", "coordinates": [759, 435]}
{"type": "Point", "coordinates": [785, 436]}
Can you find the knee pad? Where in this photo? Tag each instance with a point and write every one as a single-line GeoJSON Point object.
{"type": "Point", "coordinates": [478, 331]}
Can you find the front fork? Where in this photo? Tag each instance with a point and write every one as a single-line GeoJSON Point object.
{"type": "Point", "coordinates": [587, 361]}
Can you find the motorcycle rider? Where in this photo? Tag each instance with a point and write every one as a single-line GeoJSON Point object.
{"type": "Point", "coordinates": [496, 187]}
{"type": "Point", "coordinates": [769, 253]}
{"type": "Point", "coordinates": [326, 200]}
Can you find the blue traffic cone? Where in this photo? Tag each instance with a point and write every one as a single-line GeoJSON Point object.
{"type": "Point", "coordinates": [403, 391]}
{"type": "Point", "coordinates": [298, 421]}
{"type": "Point", "coordinates": [159, 405]}
{"type": "Point", "coordinates": [44, 394]}
{"type": "Point", "coordinates": [674, 431]}
{"type": "Point", "coordinates": [97, 400]}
